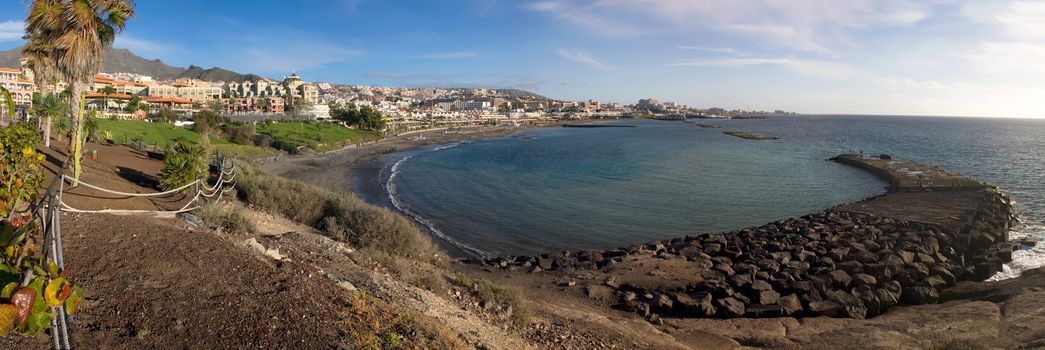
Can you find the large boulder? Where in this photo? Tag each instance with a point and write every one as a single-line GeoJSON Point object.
{"type": "Point", "coordinates": [694, 305]}
{"type": "Point", "coordinates": [825, 308]}
{"type": "Point", "coordinates": [790, 304]}
{"type": "Point", "coordinates": [921, 294]}
{"type": "Point", "coordinates": [840, 279]}
{"type": "Point", "coordinates": [852, 307]}
{"type": "Point", "coordinates": [730, 307]}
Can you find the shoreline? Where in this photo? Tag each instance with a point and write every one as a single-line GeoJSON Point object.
{"type": "Point", "coordinates": [333, 170]}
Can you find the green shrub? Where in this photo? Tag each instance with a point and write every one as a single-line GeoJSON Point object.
{"type": "Point", "coordinates": [184, 164]}
{"type": "Point", "coordinates": [228, 218]}
{"type": "Point", "coordinates": [242, 134]}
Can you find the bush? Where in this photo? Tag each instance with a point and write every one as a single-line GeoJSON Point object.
{"type": "Point", "coordinates": [32, 288]}
{"type": "Point", "coordinates": [228, 218]}
{"type": "Point", "coordinates": [287, 146]}
{"type": "Point", "coordinates": [242, 134]}
{"type": "Point", "coordinates": [491, 294]}
{"type": "Point", "coordinates": [263, 141]}
{"type": "Point", "coordinates": [343, 217]}
{"type": "Point", "coordinates": [375, 324]}
{"type": "Point", "coordinates": [184, 164]}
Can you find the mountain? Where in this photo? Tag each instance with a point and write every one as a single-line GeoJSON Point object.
{"type": "Point", "coordinates": [521, 94]}
{"type": "Point", "coordinates": [216, 74]}
{"type": "Point", "coordinates": [125, 61]}
{"type": "Point", "coordinates": [113, 60]}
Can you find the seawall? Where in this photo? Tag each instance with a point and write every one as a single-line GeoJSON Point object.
{"type": "Point", "coordinates": [931, 229]}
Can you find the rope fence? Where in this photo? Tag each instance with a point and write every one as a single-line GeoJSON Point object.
{"type": "Point", "coordinates": [226, 182]}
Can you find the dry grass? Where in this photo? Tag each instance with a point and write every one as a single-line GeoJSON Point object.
{"type": "Point", "coordinates": [374, 324]}
{"type": "Point", "coordinates": [229, 218]}
{"type": "Point", "coordinates": [343, 217]}
{"type": "Point", "coordinates": [959, 344]}
{"type": "Point", "coordinates": [492, 296]}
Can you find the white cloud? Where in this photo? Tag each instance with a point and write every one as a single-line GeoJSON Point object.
{"type": "Point", "coordinates": [1010, 58]}
{"type": "Point", "coordinates": [728, 50]}
{"type": "Point", "coordinates": [12, 30]}
{"type": "Point", "coordinates": [583, 57]}
{"type": "Point", "coordinates": [448, 55]}
{"type": "Point", "coordinates": [1020, 20]}
{"type": "Point", "coordinates": [805, 25]}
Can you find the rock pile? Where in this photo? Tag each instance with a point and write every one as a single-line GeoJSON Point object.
{"type": "Point", "coordinates": [833, 263]}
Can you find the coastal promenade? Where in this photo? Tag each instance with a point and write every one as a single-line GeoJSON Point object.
{"type": "Point", "coordinates": [932, 229]}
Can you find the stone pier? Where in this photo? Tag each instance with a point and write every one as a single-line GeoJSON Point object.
{"type": "Point", "coordinates": [930, 230]}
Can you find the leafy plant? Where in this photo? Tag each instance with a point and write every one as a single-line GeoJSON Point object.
{"type": "Point", "coordinates": [60, 125]}
{"type": "Point", "coordinates": [184, 164]}
{"type": "Point", "coordinates": [31, 289]}
{"type": "Point", "coordinates": [107, 135]}
{"type": "Point", "coordinates": [6, 101]}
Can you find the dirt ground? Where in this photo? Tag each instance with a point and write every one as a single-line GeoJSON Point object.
{"type": "Point", "coordinates": [118, 168]}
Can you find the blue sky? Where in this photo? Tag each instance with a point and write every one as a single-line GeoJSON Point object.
{"type": "Point", "coordinates": [932, 57]}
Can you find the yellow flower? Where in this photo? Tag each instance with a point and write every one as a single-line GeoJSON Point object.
{"type": "Point", "coordinates": [27, 151]}
{"type": "Point", "coordinates": [40, 157]}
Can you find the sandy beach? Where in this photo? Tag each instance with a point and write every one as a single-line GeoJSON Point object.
{"type": "Point", "coordinates": [332, 170]}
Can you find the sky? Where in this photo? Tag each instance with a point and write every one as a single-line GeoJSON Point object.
{"type": "Point", "coordinates": [928, 57]}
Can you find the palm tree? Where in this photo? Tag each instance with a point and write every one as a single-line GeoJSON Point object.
{"type": "Point", "coordinates": [7, 101]}
{"type": "Point", "coordinates": [49, 107]}
{"type": "Point", "coordinates": [78, 31]}
{"type": "Point", "coordinates": [106, 91]}
{"type": "Point", "coordinates": [39, 51]}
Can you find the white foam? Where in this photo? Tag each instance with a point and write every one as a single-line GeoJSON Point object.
{"type": "Point", "coordinates": [393, 196]}
{"type": "Point", "coordinates": [1025, 258]}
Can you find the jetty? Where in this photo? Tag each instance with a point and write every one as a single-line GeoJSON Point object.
{"type": "Point", "coordinates": [929, 231]}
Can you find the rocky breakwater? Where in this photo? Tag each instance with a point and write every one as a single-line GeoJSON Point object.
{"type": "Point", "coordinates": [931, 230]}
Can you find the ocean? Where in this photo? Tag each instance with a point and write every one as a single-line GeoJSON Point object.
{"type": "Point", "coordinates": [551, 189]}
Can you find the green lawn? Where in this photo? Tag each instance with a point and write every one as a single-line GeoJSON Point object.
{"type": "Point", "coordinates": [159, 135]}
{"type": "Point", "coordinates": [162, 135]}
{"type": "Point", "coordinates": [317, 136]}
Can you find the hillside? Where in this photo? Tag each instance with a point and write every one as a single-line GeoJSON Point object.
{"type": "Point", "coordinates": [125, 61]}
{"type": "Point", "coordinates": [216, 74]}
{"type": "Point", "coordinates": [523, 94]}
{"type": "Point", "coordinates": [113, 60]}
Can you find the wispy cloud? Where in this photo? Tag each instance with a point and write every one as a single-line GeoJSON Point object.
{"type": "Point", "coordinates": [515, 81]}
{"type": "Point", "coordinates": [288, 57]}
{"type": "Point", "coordinates": [807, 26]}
{"type": "Point", "coordinates": [12, 30]}
{"type": "Point", "coordinates": [142, 47]}
{"type": "Point", "coordinates": [819, 69]}
{"type": "Point", "coordinates": [589, 17]}
{"type": "Point", "coordinates": [727, 50]}
{"type": "Point", "coordinates": [448, 55]}
{"type": "Point", "coordinates": [583, 57]}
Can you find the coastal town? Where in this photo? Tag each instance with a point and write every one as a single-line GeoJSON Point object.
{"type": "Point", "coordinates": [140, 97]}
{"type": "Point", "coordinates": [532, 174]}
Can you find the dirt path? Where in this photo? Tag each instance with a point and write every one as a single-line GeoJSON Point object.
{"type": "Point", "coordinates": [151, 283]}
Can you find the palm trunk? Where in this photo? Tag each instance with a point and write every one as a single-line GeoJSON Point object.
{"type": "Point", "coordinates": [76, 101]}
{"type": "Point", "coordinates": [47, 132]}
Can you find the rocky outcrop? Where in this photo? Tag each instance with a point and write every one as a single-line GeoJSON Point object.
{"type": "Point", "coordinates": [837, 263]}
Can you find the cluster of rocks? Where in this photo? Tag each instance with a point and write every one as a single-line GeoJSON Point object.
{"type": "Point", "coordinates": [833, 263]}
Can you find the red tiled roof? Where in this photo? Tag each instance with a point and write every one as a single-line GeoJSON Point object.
{"type": "Point", "coordinates": [10, 70]}
{"type": "Point", "coordinates": [116, 96]}
{"type": "Point", "coordinates": [161, 99]}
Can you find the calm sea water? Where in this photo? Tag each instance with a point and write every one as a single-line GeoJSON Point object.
{"type": "Point", "coordinates": [590, 188]}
